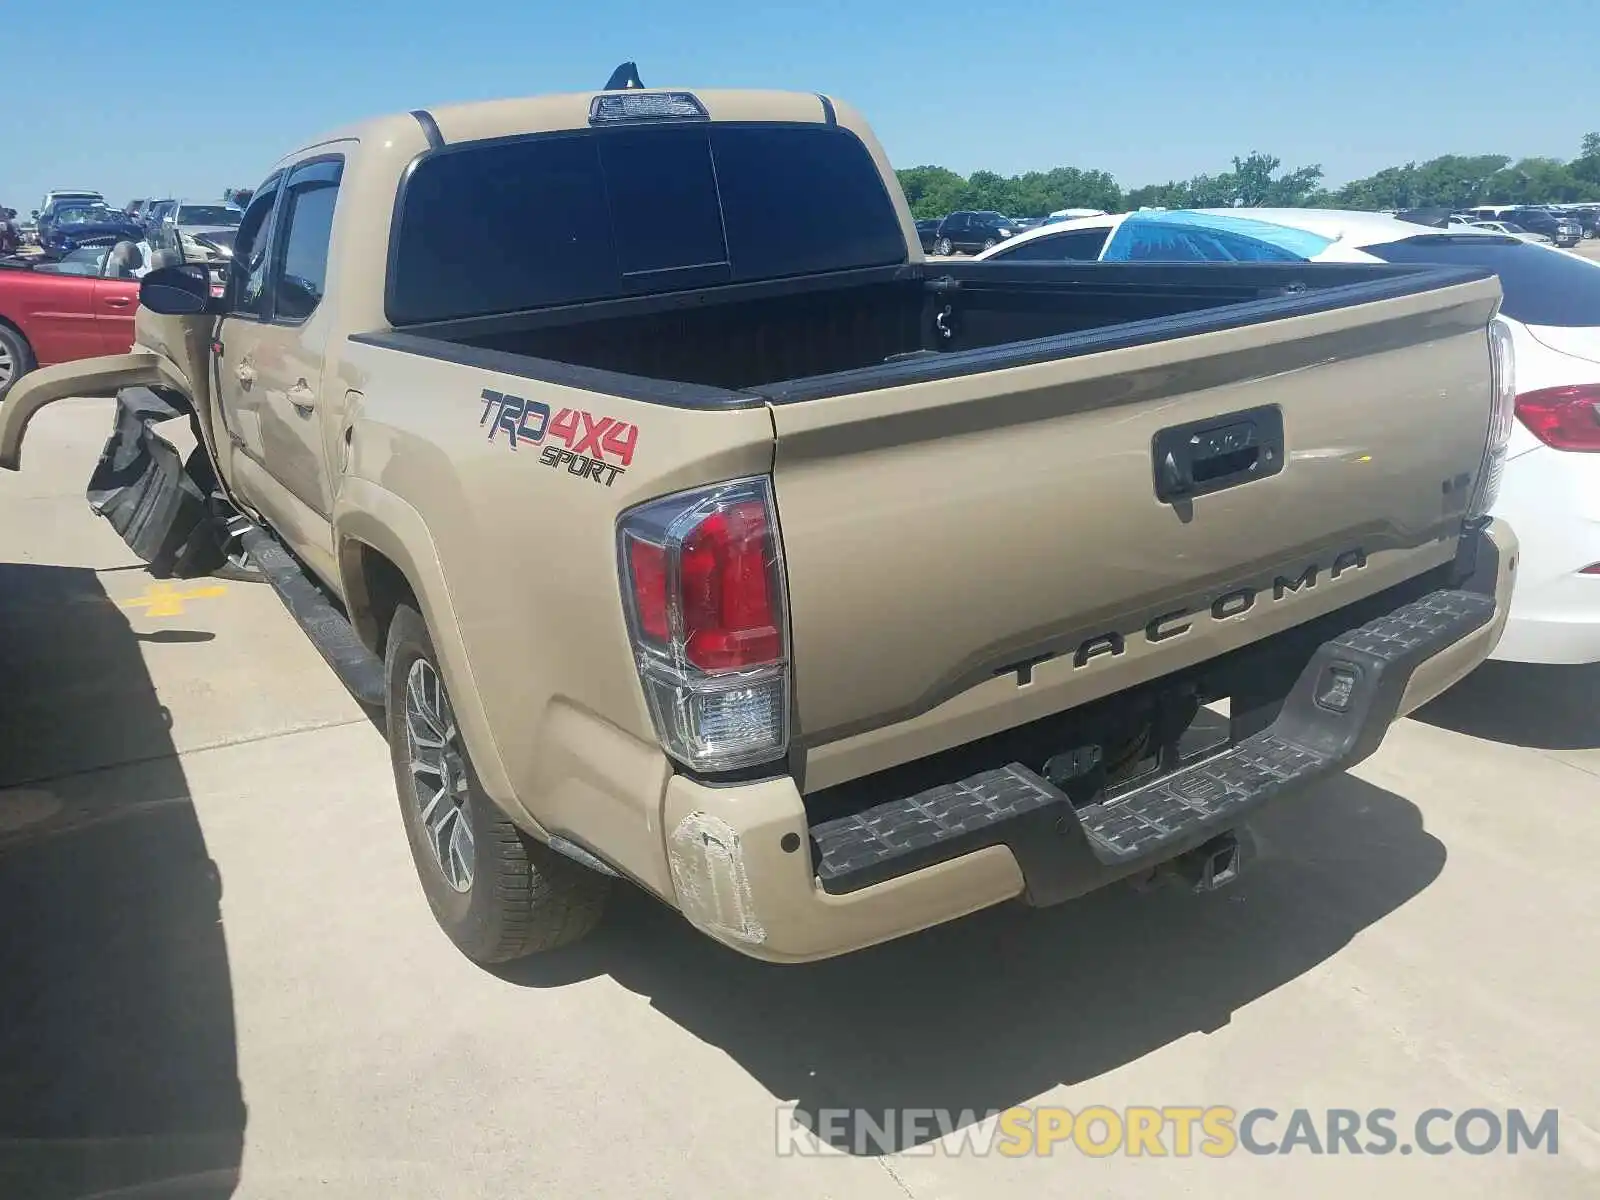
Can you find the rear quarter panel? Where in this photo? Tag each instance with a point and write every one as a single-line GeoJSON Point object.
{"type": "Point", "coordinates": [520, 571]}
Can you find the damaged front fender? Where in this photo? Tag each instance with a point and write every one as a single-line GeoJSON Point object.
{"type": "Point", "coordinates": [87, 377]}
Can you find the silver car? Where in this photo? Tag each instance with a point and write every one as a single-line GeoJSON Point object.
{"type": "Point", "coordinates": [184, 225]}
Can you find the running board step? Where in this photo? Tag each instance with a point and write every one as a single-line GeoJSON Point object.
{"type": "Point", "coordinates": [330, 631]}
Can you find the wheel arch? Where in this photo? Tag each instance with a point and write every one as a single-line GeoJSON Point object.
{"type": "Point", "coordinates": [386, 555]}
{"type": "Point", "coordinates": [27, 343]}
{"type": "Point", "coordinates": [17, 329]}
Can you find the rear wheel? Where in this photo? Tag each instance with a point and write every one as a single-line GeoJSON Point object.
{"type": "Point", "coordinates": [942, 247]}
{"type": "Point", "coordinates": [497, 893]}
{"type": "Point", "coordinates": [16, 358]}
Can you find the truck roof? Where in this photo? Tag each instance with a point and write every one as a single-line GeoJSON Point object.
{"type": "Point", "coordinates": [570, 110]}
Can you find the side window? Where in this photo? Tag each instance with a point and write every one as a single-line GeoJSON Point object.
{"type": "Point", "coordinates": [250, 248]}
{"type": "Point", "coordinates": [306, 232]}
{"type": "Point", "coordinates": [1178, 243]}
{"type": "Point", "coordinates": [1081, 245]}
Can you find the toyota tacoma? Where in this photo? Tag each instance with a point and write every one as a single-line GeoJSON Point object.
{"type": "Point", "coordinates": [689, 529]}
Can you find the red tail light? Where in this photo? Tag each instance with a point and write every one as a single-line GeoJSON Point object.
{"type": "Point", "coordinates": [1567, 418]}
{"type": "Point", "coordinates": [724, 597]}
{"type": "Point", "coordinates": [703, 575]}
{"type": "Point", "coordinates": [730, 620]}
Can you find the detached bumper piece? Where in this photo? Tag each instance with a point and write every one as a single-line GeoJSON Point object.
{"type": "Point", "coordinates": [1335, 715]}
{"type": "Point", "coordinates": [166, 508]}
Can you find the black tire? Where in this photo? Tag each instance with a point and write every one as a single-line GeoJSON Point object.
{"type": "Point", "coordinates": [522, 897]}
{"type": "Point", "coordinates": [943, 248]}
{"type": "Point", "coordinates": [989, 244]}
{"type": "Point", "coordinates": [19, 352]}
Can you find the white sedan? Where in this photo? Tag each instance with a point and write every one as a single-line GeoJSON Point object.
{"type": "Point", "coordinates": [1512, 230]}
{"type": "Point", "coordinates": [1551, 489]}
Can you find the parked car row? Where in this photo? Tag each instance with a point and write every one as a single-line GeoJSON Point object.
{"type": "Point", "coordinates": [1564, 226]}
{"type": "Point", "coordinates": [199, 231]}
{"type": "Point", "coordinates": [77, 296]}
{"type": "Point", "coordinates": [187, 226]}
{"type": "Point", "coordinates": [974, 232]}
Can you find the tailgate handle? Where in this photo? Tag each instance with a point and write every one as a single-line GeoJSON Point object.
{"type": "Point", "coordinates": [1206, 456]}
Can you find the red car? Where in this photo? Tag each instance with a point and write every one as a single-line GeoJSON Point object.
{"type": "Point", "coordinates": [60, 311]}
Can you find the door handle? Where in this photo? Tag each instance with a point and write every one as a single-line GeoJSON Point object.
{"type": "Point", "coordinates": [302, 397]}
{"type": "Point", "coordinates": [117, 302]}
{"type": "Point", "coordinates": [245, 373]}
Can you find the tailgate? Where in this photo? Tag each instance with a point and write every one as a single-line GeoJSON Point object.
{"type": "Point", "coordinates": [976, 551]}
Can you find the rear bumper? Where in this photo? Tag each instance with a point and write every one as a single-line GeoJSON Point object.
{"type": "Point", "coordinates": [750, 870]}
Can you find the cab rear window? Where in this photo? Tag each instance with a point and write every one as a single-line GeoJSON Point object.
{"type": "Point", "coordinates": [1541, 286]}
{"type": "Point", "coordinates": [531, 222]}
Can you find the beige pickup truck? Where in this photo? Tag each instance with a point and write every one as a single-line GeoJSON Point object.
{"type": "Point", "coordinates": [693, 531]}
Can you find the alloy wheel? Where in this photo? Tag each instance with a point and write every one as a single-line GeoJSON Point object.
{"type": "Point", "coordinates": [438, 774]}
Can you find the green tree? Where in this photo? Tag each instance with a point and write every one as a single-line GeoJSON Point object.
{"type": "Point", "coordinates": [1392, 187]}
{"type": "Point", "coordinates": [932, 191]}
{"type": "Point", "coordinates": [1253, 176]}
{"type": "Point", "coordinates": [1534, 181]}
{"type": "Point", "coordinates": [1172, 194]}
{"type": "Point", "coordinates": [1259, 180]}
{"type": "Point", "coordinates": [935, 191]}
{"type": "Point", "coordinates": [1456, 180]}
{"type": "Point", "coordinates": [1586, 167]}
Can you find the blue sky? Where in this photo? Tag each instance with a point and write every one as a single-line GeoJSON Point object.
{"type": "Point", "coordinates": [202, 96]}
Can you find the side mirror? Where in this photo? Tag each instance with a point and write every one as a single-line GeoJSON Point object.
{"type": "Point", "coordinates": [176, 292]}
{"type": "Point", "coordinates": [36, 214]}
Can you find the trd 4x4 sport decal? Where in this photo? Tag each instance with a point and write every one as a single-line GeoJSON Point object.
{"type": "Point", "coordinates": [597, 448]}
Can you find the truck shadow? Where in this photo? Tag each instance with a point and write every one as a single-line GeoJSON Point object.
{"type": "Point", "coordinates": [996, 1009]}
{"type": "Point", "coordinates": [118, 1068]}
{"type": "Point", "coordinates": [1523, 704]}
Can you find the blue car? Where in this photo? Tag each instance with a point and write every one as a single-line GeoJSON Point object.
{"type": "Point", "coordinates": [66, 225]}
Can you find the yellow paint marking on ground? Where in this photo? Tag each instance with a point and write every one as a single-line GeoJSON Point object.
{"type": "Point", "coordinates": [163, 598]}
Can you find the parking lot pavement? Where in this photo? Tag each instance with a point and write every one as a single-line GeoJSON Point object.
{"type": "Point", "coordinates": [217, 966]}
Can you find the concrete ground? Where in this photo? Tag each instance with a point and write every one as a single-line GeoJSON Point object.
{"type": "Point", "coordinates": [218, 975]}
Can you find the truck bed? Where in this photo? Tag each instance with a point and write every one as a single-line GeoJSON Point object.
{"type": "Point", "coordinates": [824, 335]}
